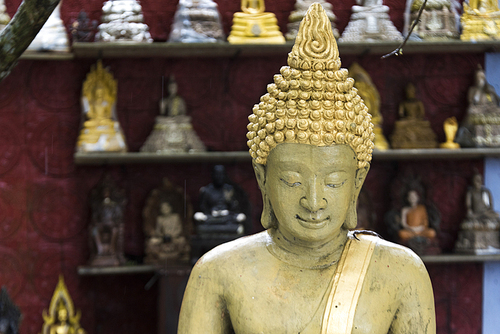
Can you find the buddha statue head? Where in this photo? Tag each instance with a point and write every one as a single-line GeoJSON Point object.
{"type": "Point", "coordinates": [311, 138]}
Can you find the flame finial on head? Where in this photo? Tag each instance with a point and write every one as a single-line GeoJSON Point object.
{"type": "Point", "coordinates": [313, 100]}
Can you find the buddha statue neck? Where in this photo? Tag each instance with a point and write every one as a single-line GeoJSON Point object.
{"type": "Point", "coordinates": [306, 256]}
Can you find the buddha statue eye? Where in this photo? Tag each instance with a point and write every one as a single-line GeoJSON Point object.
{"type": "Point", "coordinates": [290, 183]}
{"type": "Point", "coordinates": [335, 184]}
{"type": "Point", "coordinates": [335, 180]}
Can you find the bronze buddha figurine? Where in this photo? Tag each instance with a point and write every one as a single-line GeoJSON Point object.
{"type": "Point", "coordinates": [310, 138]}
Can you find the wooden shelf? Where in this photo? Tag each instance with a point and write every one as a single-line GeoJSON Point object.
{"type": "Point", "coordinates": [49, 55]}
{"type": "Point", "coordinates": [224, 49]}
{"type": "Point", "coordinates": [179, 270]}
{"type": "Point", "coordinates": [459, 258]}
{"type": "Point", "coordinates": [243, 156]}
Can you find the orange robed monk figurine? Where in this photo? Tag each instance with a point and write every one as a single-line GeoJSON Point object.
{"type": "Point", "coordinates": [310, 138]}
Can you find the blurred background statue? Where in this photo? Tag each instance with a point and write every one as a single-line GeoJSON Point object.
{"type": "Point", "coordinates": [438, 21]}
{"type": "Point", "coordinates": [4, 16]}
{"type": "Point", "coordinates": [479, 231]}
{"type": "Point", "coordinates": [167, 225]}
{"type": "Point", "coordinates": [83, 29]}
{"type": "Point", "coordinates": [52, 36]}
{"type": "Point", "coordinates": [10, 315]}
{"type": "Point", "coordinates": [480, 20]}
{"type": "Point", "coordinates": [107, 203]}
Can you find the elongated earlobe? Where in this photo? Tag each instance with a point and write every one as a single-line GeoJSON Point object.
{"type": "Point", "coordinates": [268, 220]}
{"type": "Point", "coordinates": [351, 219]}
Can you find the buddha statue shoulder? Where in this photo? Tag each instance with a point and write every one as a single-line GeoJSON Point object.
{"type": "Point", "coordinates": [306, 273]}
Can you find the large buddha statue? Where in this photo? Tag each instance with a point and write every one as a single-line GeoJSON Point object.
{"type": "Point", "coordinates": [480, 230]}
{"type": "Point", "coordinates": [480, 20]}
{"type": "Point", "coordinates": [255, 26]}
{"type": "Point", "coordinates": [412, 130]}
{"type": "Point", "coordinates": [310, 139]}
{"type": "Point", "coordinates": [100, 130]}
{"type": "Point", "coordinates": [296, 16]}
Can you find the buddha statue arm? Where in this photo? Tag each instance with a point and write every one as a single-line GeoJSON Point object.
{"type": "Point", "coordinates": [415, 314]}
{"type": "Point", "coordinates": [203, 306]}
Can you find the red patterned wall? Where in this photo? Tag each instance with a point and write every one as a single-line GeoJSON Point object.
{"type": "Point", "coordinates": [43, 196]}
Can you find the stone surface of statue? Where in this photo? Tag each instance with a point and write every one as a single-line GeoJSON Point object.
{"type": "Point", "coordinates": [414, 221]}
{"type": "Point", "coordinates": [370, 22]}
{"type": "Point", "coordinates": [4, 16]}
{"type": "Point", "coordinates": [100, 130]}
{"type": "Point", "coordinates": [61, 317]}
{"type": "Point", "coordinates": [438, 20]}
{"type": "Point", "coordinates": [450, 127]}
{"type": "Point", "coordinates": [254, 26]}
{"type": "Point", "coordinates": [52, 36]}
{"type": "Point", "coordinates": [369, 93]}
{"type": "Point", "coordinates": [300, 9]}
{"type": "Point", "coordinates": [83, 29]}
{"type": "Point", "coordinates": [480, 20]}
{"type": "Point", "coordinates": [167, 225]}
{"type": "Point", "coordinates": [479, 231]}
{"type": "Point", "coordinates": [412, 130]}
{"type": "Point", "coordinates": [310, 138]}
{"type": "Point", "coordinates": [481, 126]}
{"type": "Point", "coordinates": [173, 132]}
{"type": "Point", "coordinates": [196, 21]}
{"type": "Point", "coordinates": [122, 21]}
{"type": "Point", "coordinates": [106, 229]}
{"type": "Point", "coordinates": [10, 315]}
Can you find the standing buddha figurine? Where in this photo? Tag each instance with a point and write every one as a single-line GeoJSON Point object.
{"type": "Point", "coordinates": [480, 20]}
{"type": "Point", "coordinates": [254, 26]}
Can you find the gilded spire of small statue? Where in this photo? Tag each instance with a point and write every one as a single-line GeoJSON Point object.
{"type": "Point", "coordinates": [61, 317]}
{"type": "Point", "coordinates": [312, 100]}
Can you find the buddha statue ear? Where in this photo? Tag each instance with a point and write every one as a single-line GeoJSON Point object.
{"type": "Point", "coordinates": [267, 219]}
{"type": "Point", "coordinates": [352, 216]}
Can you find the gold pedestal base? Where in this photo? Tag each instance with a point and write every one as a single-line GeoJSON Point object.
{"type": "Point", "coordinates": [255, 29]}
{"type": "Point", "coordinates": [449, 145]}
{"type": "Point", "coordinates": [480, 28]}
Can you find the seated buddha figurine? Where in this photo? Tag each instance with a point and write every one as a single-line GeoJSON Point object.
{"type": "Point", "coordinates": [254, 26]}
{"type": "Point", "coordinates": [167, 225]}
{"type": "Point", "coordinates": [296, 16]}
{"type": "Point", "coordinates": [173, 131]}
{"type": "Point", "coordinates": [370, 22]}
{"type": "Point", "coordinates": [438, 20]}
{"type": "Point", "coordinates": [100, 130]}
{"type": "Point", "coordinates": [61, 317]}
{"type": "Point", "coordinates": [412, 130]}
{"type": "Point", "coordinates": [481, 125]}
{"type": "Point", "coordinates": [480, 20]}
{"type": "Point", "coordinates": [310, 139]}
{"type": "Point", "coordinates": [480, 230]}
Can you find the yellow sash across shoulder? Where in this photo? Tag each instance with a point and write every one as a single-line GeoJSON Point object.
{"type": "Point", "coordinates": [347, 284]}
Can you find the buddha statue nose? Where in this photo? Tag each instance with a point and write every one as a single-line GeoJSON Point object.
{"type": "Point", "coordinates": [314, 199]}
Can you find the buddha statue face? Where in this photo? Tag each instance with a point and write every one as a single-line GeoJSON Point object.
{"type": "Point", "coordinates": [413, 197]}
{"type": "Point", "coordinates": [311, 190]}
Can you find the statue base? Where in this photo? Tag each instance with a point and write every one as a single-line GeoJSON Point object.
{"type": "Point", "coordinates": [450, 145]}
{"type": "Point", "coordinates": [413, 134]}
{"type": "Point", "coordinates": [370, 24]}
{"type": "Point", "coordinates": [436, 24]}
{"type": "Point", "coordinates": [478, 242]}
{"type": "Point", "coordinates": [255, 29]}
{"type": "Point", "coordinates": [477, 27]}
{"type": "Point", "coordinates": [423, 245]}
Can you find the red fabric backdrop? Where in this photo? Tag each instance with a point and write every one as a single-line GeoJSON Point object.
{"type": "Point", "coordinates": [44, 210]}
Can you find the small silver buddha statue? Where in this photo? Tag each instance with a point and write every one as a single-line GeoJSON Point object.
{"type": "Point", "coordinates": [370, 22]}
{"type": "Point", "coordinates": [439, 19]}
{"type": "Point", "coordinates": [122, 20]}
{"type": "Point", "coordinates": [480, 230]}
{"type": "Point", "coordinates": [52, 36]}
{"type": "Point", "coordinates": [173, 132]}
{"type": "Point", "coordinates": [196, 21]}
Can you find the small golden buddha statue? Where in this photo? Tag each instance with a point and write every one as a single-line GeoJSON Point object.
{"type": "Point", "coordinates": [450, 127]}
{"type": "Point", "coordinates": [369, 93]}
{"type": "Point", "coordinates": [61, 317]}
{"type": "Point", "coordinates": [254, 26]}
{"type": "Point", "coordinates": [480, 20]}
{"type": "Point", "coordinates": [310, 139]}
{"type": "Point", "coordinates": [412, 130]}
{"type": "Point", "coordinates": [100, 131]}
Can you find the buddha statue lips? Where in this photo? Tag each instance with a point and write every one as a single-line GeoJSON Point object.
{"type": "Point", "coordinates": [310, 138]}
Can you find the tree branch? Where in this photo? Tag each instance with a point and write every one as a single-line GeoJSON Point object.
{"type": "Point", "coordinates": [399, 50]}
{"type": "Point", "coordinates": [21, 30]}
